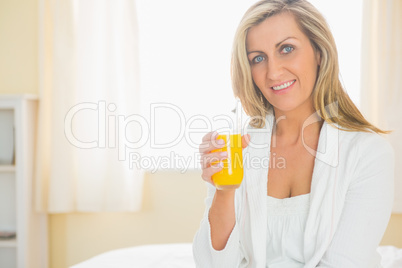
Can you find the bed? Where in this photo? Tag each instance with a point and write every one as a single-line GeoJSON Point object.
{"type": "Point", "coordinates": [181, 256]}
{"type": "Point", "coordinates": [147, 256]}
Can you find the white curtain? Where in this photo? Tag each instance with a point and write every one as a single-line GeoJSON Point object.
{"type": "Point", "coordinates": [89, 101]}
{"type": "Point", "coordinates": [381, 92]}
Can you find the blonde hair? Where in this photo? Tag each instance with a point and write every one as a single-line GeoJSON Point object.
{"type": "Point", "coordinates": [328, 89]}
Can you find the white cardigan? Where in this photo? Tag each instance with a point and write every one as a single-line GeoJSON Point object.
{"type": "Point", "coordinates": [351, 198]}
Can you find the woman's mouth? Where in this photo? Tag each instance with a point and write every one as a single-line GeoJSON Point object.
{"type": "Point", "coordinates": [283, 88]}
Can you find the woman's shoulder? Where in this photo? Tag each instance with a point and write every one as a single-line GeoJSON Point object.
{"type": "Point", "coordinates": [366, 142]}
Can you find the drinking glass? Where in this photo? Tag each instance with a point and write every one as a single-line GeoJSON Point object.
{"type": "Point", "coordinates": [231, 175]}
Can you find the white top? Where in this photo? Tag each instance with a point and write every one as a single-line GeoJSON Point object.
{"type": "Point", "coordinates": [286, 224]}
{"type": "Point", "coordinates": [351, 198]}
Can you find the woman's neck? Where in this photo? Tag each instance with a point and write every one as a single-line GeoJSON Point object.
{"type": "Point", "coordinates": [292, 127]}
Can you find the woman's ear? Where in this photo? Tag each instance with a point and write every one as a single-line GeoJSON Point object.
{"type": "Point", "coordinates": [318, 57]}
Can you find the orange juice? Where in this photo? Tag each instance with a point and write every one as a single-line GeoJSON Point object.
{"type": "Point", "coordinates": [231, 175]}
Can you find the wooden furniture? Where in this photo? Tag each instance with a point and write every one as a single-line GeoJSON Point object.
{"type": "Point", "coordinates": [18, 117]}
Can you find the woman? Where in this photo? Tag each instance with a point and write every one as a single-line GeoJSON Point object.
{"type": "Point", "coordinates": [329, 202]}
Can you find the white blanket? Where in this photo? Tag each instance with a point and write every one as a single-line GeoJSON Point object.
{"type": "Point", "coordinates": [148, 256]}
{"type": "Point", "coordinates": [181, 256]}
{"type": "Point", "coordinates": [391, 257]}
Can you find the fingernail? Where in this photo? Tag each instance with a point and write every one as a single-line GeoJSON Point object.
{"type": "Point", "coordinates": [220, 141]}
{"type": "Point", "coordinates": [224, 153]}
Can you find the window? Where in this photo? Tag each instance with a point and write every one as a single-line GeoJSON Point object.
{"type": "Point", "coordinates": [185, 51]}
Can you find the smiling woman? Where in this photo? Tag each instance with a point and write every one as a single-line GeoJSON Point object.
{"type": "Point", "coordinates": [339, 170]}
{"type": "Point", "coordinates": [280, 66]}
{"type": "Point", "coordinates": [190, 56]}
{"type": "Point", "coordinates": [318, 38]}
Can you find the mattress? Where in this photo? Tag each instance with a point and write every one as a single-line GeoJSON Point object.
{"type": "Point", "coordinates": [147, 256]}
{"type": "Point", "coordinates": [181, 256]}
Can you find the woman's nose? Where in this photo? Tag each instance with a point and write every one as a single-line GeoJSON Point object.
{"type": "Point", "coordinates": [275, 69]}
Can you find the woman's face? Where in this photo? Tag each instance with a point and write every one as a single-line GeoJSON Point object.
{"type": "Point", "coordinates": [283, 62]}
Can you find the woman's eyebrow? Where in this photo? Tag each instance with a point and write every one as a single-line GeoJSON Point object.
{"type": "Point", "coordinates": [255, 51]}
{"type": "Point", "coordinates": [277, 45]}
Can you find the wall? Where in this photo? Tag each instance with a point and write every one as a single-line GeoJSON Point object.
{"type": "Point", "coordinates": [173, 202]}
{"type": "Point", "coordinates": [393, 234]}
{"type": "Point", "coordinates": [19, 46]}
{"type": "Point", "coordinates": [173, 206]}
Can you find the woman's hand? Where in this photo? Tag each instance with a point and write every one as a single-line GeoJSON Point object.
{"type": "Point", "coordinates": [210, 143]}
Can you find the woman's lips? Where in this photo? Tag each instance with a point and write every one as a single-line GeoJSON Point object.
{"type": "Point", "coordinates": [285, 87]}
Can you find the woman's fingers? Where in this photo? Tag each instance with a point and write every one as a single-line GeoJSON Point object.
{"type": "Point", "coordinates": [207, 159]}
{"type": "Point", "coordinates": [245, 140]}
{"type": "Point", "coordinates": [208, 172]}
{"type": "Point", "coordinates": [210, 145]}
{"type": "Point", "coordinates": [211, 163]}
{"type": "Point", "coordinates": [210, 136]}
{"type": "Point", "coordinates": [209, 142]}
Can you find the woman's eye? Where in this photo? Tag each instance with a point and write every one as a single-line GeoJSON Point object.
{"type": "Point", "coordinates": [258, 59]}
{"type": "Point", "coordinates": [287, 49]}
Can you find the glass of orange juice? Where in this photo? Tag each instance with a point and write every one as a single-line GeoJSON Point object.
{"type": "Point", "coordinates": [231, 175]}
